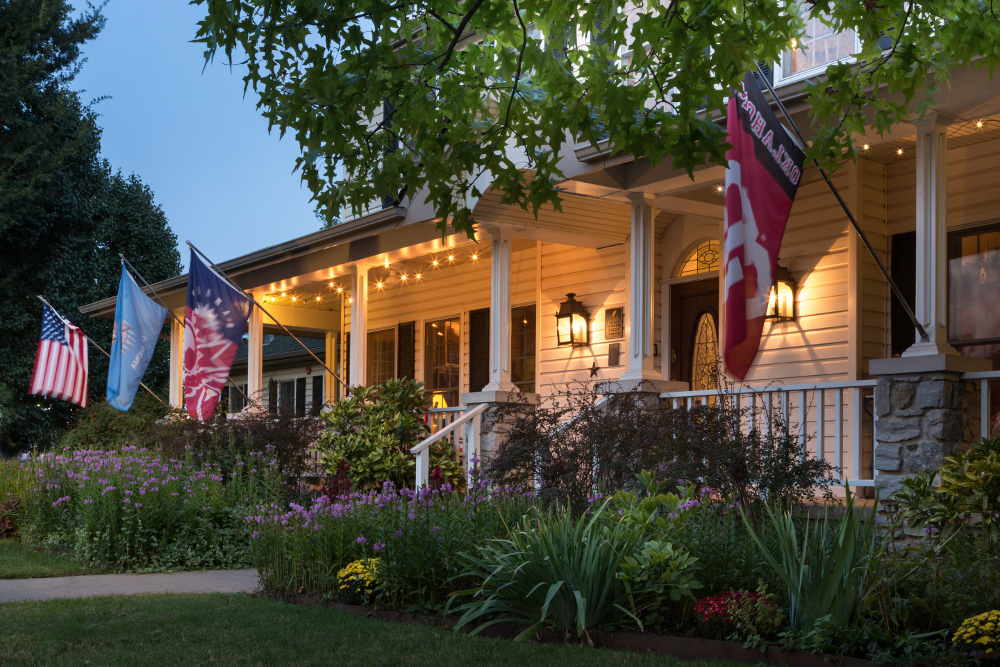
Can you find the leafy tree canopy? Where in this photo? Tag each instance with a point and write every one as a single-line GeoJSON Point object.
{"type": "Point", "coordinates": [478, 91]}
{"type": "Point", "coordinates": [64, 213]}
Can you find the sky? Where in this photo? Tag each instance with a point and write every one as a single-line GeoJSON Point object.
{"type": "Point", "coordinates": [224, 182]}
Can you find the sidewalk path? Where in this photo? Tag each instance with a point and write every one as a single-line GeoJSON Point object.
{"type": "Point", "coordinates": [212, 581]}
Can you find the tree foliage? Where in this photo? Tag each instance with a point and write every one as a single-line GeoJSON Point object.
{"type": "Point", "coordinates": [481, 92]}
{"type": "Point", "coordinates": [64, 214]}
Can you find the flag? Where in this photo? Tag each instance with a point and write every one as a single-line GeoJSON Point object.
{"type": "Point", "coordinates": [215, 319]}
{"type": "Point", "coordinates": [61, 361]}
{"type": "Point", "coordinates": [138, 321]}
{"type": "Point", "coordinates": [763, 172]}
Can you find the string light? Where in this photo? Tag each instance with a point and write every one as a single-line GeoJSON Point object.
{"type": "Point", "coordinates": [451, 258]}
{"type": "Point", "coordinates": [435, 262]}
{"type": "Point", "coordinates": [899, 151]}
{"type": "Point", "coordinates": [379, 284]}
{"type": "Point", "coordinates": [979, 124]}
{"type": "Point", "coordinates": [350, 300]}
{"type": "Point", "coordinates": [339, 290]}
{"type": "Point", "coordinates": [419, 276]}
{"type": "Point", "coordinates": [403, 277]}
{"type": "Point", "coordinates": [331, 284]}
{"type": "Point", "coordinates": [865, 147]}
{"type": "Point", "coordinates": [318, 298]}
{"type": "Point", "coordinates": [282, 294]}
{"type": "Point", "coordinates": [719, 188]}
{"type": "Point", "coordinates": [295, 298]}
{"type": "Point", "coordinates": [475, 256]}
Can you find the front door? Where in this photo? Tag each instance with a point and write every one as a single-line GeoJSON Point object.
{"type": "Point", "coordinates": [694, 333]}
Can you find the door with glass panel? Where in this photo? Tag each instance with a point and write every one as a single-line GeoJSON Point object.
{"type": "Point", "coordinates": [442, 358]}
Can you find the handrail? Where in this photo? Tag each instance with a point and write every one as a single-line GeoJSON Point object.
{"type": "Point", "coordinates": [447, 430]}
{"type": "Point", "coordinates": [981, 375]}
{"type": "Point", "coordinates": [853, 384]}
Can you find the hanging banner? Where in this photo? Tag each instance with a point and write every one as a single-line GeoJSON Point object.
{"type": "Point", "coordinates": [215, 319]}
{"type": "Point", "coordinates": [138, 323]}
{"type": "Point", "coordinates": [762, 177]}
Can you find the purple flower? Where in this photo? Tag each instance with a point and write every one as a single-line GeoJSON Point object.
{"type": "Point", "coordinates": [399, 533]}
{"type": "Point", "coordinates": [379, 546]}
{"type": "Point", "coordinates": [362, 540]}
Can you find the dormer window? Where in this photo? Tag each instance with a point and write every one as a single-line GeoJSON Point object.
{"type": "Point", "coordinates": [820, 46]}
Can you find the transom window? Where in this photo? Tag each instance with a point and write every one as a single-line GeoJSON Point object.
{"type": "Point", "coordinates": [705, 363]}
{"type": "Point", "coordinates": [381, 356]}
{"type": "Point", "coordinates": [442, 354]}
{"type": "Point", "coordinates": [819, 46]}
{"type": "Point", "coordinates": [522, 348]}
{"type": "Point", "coordinates": [704, 258]}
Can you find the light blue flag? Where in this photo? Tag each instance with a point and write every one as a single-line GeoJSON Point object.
{"type": "Point", "coordinates": [138, 322]}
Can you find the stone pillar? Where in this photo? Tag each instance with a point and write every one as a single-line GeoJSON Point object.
{"type": "Point", "coordinates": [255, 358]}
{"type": "Point", "coordinates": [500, 270]}
{"type": "Point", "coordinates": [359, 324]}
{"type": "Point", "coordinates": [932, 247]}
{"type": "Point", "coordinates": [176, 364]}
{"type": "Point", "coordinates": [924, 412]}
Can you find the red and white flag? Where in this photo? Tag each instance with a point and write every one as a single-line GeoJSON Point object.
{"type": "Point", "coordinates": [764, 169]}
{"type": "Point", "coordinates": [61, 361]}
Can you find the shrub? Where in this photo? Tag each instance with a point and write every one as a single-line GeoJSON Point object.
{"type": "Point", "coordinates": [739, 615]}
{"type": "Point", "coordinates": [370, 433]}
{"type": "Point", "coordinates": [417, 536]}
{"type": "Point", "coordinates": [357, 583]}
{"type": "Point", "coordinates": [134, 509]}
{"type": "Point", "coordinates": [554, 571]}
{"type": "Point", "coordinates": [969, 491]}
{"type": "Point", "coordinates": [101, 426]}
{"type": "Point", "coordinates": [980, 635]}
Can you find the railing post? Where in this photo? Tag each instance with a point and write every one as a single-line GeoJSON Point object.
{"type": "Point", "coordinates": [423, 466]}
{"type": "Point", "coordinates": [856, 432]}
{"type": "Point", "coordinates": [838, 431]}
{"type": "Point", "coordinates": [984, 408]}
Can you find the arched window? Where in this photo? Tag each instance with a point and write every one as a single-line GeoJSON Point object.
{"type": "Point", "coordinates": [705, 361]}
{"type": "Point", "coordinates": [704, 258]}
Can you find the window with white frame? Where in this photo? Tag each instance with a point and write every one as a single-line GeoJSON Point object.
{"type": "Point", "coordinates": [381, 356]}
{"type": "Point", "coordinates": [820, 46]}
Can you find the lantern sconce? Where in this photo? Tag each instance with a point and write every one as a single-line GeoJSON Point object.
{"type": "Point", "coordinates": [781, 301]}
{"type": "Point", "coordinates": [572, 323]}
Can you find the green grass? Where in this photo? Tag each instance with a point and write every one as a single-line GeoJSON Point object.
{"type": "Point", "coordinates": [18, 561]}
{"type": "Point", "coordinates": [243, 630]}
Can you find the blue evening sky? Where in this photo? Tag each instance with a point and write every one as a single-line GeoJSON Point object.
{"type": "Point", "coordinates": [223, 181]}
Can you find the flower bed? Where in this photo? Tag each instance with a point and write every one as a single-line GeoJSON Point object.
{"type": "Point", "coordinates": [135, 509]}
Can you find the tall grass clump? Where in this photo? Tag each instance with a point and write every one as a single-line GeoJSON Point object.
{"type": "Point", "coordinates": [136, 509]}
{"type": "Point", "coordinates": [417, 535]}
{"type": "Point", "coordinates": [17, 479]}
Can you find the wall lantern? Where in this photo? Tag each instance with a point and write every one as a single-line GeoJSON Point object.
{"type": "Point", "coordinates": [781, 302]}
{"type": "Point", "coordinates": [572, 323]}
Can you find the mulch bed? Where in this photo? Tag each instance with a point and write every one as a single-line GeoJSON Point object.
{"type": "Point", "coordinates": [673, 645]}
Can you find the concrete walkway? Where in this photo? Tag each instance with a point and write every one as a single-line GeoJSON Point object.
{"type": "Point", "coordinates": [212, 581]}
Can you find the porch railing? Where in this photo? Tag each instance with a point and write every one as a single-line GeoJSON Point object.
{"type": "Point", "coordinates": [461, 427]}
{"type": "Point", "coordinates": [814, 412]}
{"type": "Point", "coordinates": [985, 380]}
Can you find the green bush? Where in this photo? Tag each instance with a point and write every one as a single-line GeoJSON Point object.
{"type": "Point", "coordinates": [101, 426]}
{"type": "Point", "coordinates": [370, 433]}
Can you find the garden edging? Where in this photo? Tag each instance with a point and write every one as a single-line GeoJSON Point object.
{"type": "Point", "coordinates": [673, 645]}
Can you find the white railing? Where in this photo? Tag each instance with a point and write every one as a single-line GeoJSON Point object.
{"type": "Point", "coordinates": [815, 412]}
{"type": "Point", "coordinates": [464, 434]}
{"type": "Point", "coordinates": [984, 378]}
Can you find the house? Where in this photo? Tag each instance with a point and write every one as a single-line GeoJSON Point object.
{"type": "Point", "coordinates": [292, 380]}
{"type": "Point", "coordinates": [633, 261]}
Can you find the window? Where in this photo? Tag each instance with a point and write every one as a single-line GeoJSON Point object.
{"type": "Point", "coordinates": [442, 352]}
{"type": "Point", "coordinates": [705, 362]}
{"type": "Point", "coordinates": [236, 400]}
{"type": "Point", "coordinates": [286, 396]}
{"type": "Point", "coordinates": [819, 47]}
{"type": "Point", "coordinates": [974, 292]}
{"type": "Point", "coordinates": [522, 348]}
{"type": "Point", "coordinates": [704, 258]}
{"type": "Point", "coordinates": [381, 356]}
{"type": "Point", "coordinates": [318, 399]}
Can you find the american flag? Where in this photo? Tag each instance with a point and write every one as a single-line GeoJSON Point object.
{"type": "Point", "coordinates": [61, 362]}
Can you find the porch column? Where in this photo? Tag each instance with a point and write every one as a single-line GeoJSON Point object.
{"type": "Point", "coordinates": [255, 357]}
{"type": "Point", "coordinates": [932, 248]}
{"type": "Point", "coordinates": [176, 364]}
{"type": "Point", "coordinates": [640, 292]}
{"type": "Point", "coordinates": [330, 382]}
{"type": "Point", "coordinates": [500, 313]}
{"type": "Point", "coordinates": [359, 324]}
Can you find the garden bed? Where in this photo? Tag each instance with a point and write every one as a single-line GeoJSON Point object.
{"type": "Point", "coordinates": [673, 645]}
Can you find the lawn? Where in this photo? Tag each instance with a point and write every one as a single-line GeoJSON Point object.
{"type": "Point", "coordinates": [20, 562]}
{"type": "Point", "coordinates": [243, 630]}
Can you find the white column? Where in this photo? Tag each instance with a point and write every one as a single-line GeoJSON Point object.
{"type": "Point", "coordinates": [932, 248]}
{"type": "Point", "coordinates": [359, 323]}
{"type": "Point", "coordinates": [640, 293]}
{"type": "Point", "coordinates": [176, 364]}
{"type": "Point", "coordinates": [500, 269]}
{"type": "Point", "coordinates": [255, 357]}
{"type": "Point", "coordinates": [330, 382]}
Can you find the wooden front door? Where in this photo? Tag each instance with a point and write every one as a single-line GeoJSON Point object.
{"type": "Point", "coordinates": [694, 333]}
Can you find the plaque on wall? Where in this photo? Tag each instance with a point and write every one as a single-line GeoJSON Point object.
{"type": "Point", "coordinates": [614, 323]}
{"type": "Point", "coordinates": [614, 354]}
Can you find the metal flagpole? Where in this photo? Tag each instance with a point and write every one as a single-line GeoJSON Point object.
{"type": "Point", "coordinates": [173, 315]}
{"type": "Point", "coordinates": [264, 310]}
{"type": "Point", "coordinates": [106, 354]}
{"type": "Point", "coordinates": [850, 216]}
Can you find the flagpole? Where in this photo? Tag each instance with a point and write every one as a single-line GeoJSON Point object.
{"type": "Point", "coordinates": [264, 310]}
{"type": "Point", "coordinates": [99, 348]}
{"type": "Point", "coordinates": [850, 216]}
{"type": "Point", "coordinates": [174, 315]}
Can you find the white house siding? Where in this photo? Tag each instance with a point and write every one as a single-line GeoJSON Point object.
{"type": "Point", "coordinates": [874, 290]}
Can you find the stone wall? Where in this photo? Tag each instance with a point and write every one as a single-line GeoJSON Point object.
{"type": "Point", "coordinates": [921, 419]}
